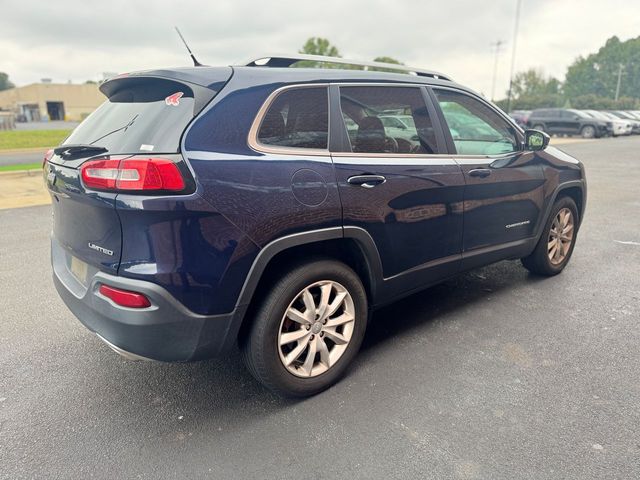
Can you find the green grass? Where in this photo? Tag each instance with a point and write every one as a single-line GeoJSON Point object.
{"type": "Point", "coordinates": [26, 166]}
{"type": "Point", "coordinates": [13, 139]}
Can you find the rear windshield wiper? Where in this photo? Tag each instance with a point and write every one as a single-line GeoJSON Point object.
{"type": "Point", "coordinates": [123, 128]}
{"type": "Point", "coordinates": [78, 150]}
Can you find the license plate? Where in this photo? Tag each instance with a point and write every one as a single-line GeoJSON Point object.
{"type": "Point", "coordinates": [79, 269]}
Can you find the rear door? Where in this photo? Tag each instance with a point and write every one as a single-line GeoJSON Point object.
{"type": "Point", "coordinates": [571, 122]}
{"type": "Point", "coordinates": [141, 117]}
{"type": "Point", "coordinates": [396, 184]}
{"type": "Point", "coordinates": [554, 122]}
{"type": "Point", "coordinates": [504, 185]}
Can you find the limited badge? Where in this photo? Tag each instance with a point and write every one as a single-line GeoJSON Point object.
{"type": "Point", "coordinates": [174, 99]}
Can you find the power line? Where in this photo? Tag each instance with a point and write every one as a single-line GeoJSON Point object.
{"type": "Point", "coordinates": [620, 73]}
{"type": "Point", "coordinates": [497, 45]}
{"type": "Point", "coordinates": [513, 53]}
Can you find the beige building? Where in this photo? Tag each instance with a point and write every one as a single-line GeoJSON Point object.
{"type": "Point", "coordinates": [51, 101]}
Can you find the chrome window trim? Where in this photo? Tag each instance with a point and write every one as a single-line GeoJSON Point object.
{"type": "Point", "coordinates": [260, 147]}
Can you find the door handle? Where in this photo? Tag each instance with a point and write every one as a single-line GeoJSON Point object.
{"type": "Point", "coordinates": [480, 172]}
{"type": "Point", "coordinates": [366, 181]}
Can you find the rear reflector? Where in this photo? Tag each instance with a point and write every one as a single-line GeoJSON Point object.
{"type": "Point", "coordinates": [125, 298]}
{"type": "Point", "coordinates": [132, 174]}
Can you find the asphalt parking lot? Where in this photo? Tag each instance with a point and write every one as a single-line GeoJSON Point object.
{"type": "Point", "coordinates": [493, 375]}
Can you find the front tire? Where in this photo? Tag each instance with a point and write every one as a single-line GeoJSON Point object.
{"type": "Point", "coordinates": [308, 329]}
{"type": "Point", "coordinates": [554, 249]}
{"type": "Point", "coordinates": [588, 132]}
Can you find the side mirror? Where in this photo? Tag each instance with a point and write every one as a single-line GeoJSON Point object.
{"type": "Point", "coordinates": [535, 140]}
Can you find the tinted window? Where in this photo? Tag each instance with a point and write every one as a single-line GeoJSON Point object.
{"type": "Point", "coordinates": [142, 115]}
{"type": "Point", "coordinates": [475, 127]}
{"type": "Point", "coordinates": [387, 120]}
{"type": "Point", "coordinates": [539, 113]}
{"type": "Point", "coordinates": [297, 118]}
{"type": "Point", "coordinates": [572, 114]}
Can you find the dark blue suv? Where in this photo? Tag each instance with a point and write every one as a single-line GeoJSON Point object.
{"type": "Point", "coordinates": [273, 208]}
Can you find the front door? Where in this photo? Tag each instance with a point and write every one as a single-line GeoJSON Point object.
{"type": "Point", "coordinates": [395, 182]}
{"type": "Point", "coordinates": [503, 196]}
{"type": "Point", "coordinates": [570, 122]}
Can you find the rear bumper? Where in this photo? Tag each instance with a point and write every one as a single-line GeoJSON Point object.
{"type": "Point", "coordinates": [165, 331]}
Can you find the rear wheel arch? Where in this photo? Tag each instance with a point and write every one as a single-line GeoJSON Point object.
{"type": "Point", "coordinates": [267, 270]}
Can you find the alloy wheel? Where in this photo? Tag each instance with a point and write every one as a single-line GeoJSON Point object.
{"type": "Point", "coordinates": [560, 236]}
{"type": "Point", "coordinates": [316, 329]}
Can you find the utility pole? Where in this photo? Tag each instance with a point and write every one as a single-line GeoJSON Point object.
{"type": "Point", "coordinates": [513, 53]}
{"type": "Point", "coordinates": [620, 72]}
{"type": "Point", "coordinates": [497, 45]}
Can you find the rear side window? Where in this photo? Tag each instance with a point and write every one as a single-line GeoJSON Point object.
{"type": "Point", "coordinates": [475, 128]}
{"type": "Point", "coordinates": [141, 115]}
{"type": "Point", "coordinates": [387, 120]}
{"type": "Point", "coordinates": [298, 118]}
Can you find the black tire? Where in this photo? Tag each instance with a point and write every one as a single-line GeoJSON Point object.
{"type": "Point", "coordinates": [588, 131]}
{"type": "Point", "coordinates": [539, 262]}
{"type": "Point", "coordinates": [260, 347]}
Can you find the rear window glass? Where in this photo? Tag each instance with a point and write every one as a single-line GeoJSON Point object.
{"type": "Point", "coordinates": [298, 118]}
{"type": "Point", "coordinates": [142, 116]}
{"type": "Point", "coordinates": [387, 120]}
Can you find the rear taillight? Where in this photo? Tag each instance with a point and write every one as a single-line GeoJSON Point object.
{"type": "Point", "coordinates": [47, 157]}
{"type": "Point", "coordinates": [132, 174]}
{"type": "Point", "coordinates": [125, 298]}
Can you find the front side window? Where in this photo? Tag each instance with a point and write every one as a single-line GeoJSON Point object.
{"type": "Point", "coordinates": [298, 118]}
{"type": "Point", "coordinates": [387, 120]}
{"type": "Point", "coordinates": [475, 128]}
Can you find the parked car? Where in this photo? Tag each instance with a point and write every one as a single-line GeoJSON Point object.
{"type": "Point", "coordinates": [635, 124]}
{"type": "Point", "coordinates": [520, 116]}
{"type": "Point", "coordinates": [400, 126]}
{"type": "Point", "coordinates": [562, 121]}
{"type": "Point", "coordinates": [204, 208]}
{"type": "Point", "coordinates": [619, 126]}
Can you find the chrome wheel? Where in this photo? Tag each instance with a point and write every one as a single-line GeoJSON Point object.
{"type": "Point", "coordinates": [560, 236]}
{"type": "Point", "coordinates": [316, 329]}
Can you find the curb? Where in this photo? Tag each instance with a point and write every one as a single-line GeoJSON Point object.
{"type": "Point", "coordinates": [23, 188]}
{"type": "Point", "coordinates": [25, 150]}
{"type": "Point", "coordinates": [21, 173]}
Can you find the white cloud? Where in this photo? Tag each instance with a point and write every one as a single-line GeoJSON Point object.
{"type": "Point", "coordinates": [78, 39]}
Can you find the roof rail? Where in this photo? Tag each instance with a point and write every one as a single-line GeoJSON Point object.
{"type": "Point", "coordinates": [288, 60]}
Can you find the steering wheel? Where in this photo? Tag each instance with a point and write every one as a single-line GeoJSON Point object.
{"type": "Point", "coordinates": [390, 145]}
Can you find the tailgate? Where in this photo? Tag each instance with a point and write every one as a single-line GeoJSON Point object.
{"type": "Point", "coordinates": [85, 223]}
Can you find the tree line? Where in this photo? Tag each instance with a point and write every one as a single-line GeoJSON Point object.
{"type": "Point", "coordinates": [591, 82]}
{"type": "Point", "coordinates": [607, 79]}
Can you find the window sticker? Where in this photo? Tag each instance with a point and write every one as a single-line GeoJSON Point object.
{"type": "Point", "coordinates": [146, 148]}
{"type": "Point", "coordinates": [174, 99]}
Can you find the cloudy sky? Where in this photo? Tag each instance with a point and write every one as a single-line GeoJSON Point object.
{"type": "Point", "coordinates": [77, 40]}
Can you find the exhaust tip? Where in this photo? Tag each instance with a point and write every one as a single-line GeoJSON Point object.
{"type": "Point", "coordinates": [124, 353]}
